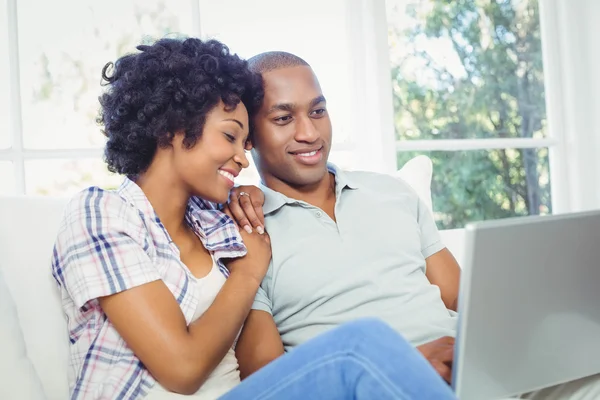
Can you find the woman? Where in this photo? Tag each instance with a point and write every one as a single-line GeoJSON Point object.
{"type": "Point", "coordinates": [156, 281]}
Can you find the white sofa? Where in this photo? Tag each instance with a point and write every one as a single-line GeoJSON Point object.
{"type": "Point", "coordinates": [33, 331]}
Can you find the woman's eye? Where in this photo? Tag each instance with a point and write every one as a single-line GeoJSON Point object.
{"type": "Point", "coordinates": [230, 137]}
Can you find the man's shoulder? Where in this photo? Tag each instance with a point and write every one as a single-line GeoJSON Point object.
{"type": "Point", "coordinates": [387, 183]}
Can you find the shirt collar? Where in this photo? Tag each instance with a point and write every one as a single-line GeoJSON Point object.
{"type": "Point", "coordinates": [216, 230]}
{"type": "Point", "coordinates": [275, 200]}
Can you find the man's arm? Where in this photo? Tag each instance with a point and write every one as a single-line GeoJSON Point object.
{"type": "Point", "coordinates": [444, 272]}
{"type": "Point", "coordinates": [258, 344]}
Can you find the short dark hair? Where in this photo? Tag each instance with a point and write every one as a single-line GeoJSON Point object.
{"type": "Point", "coordinates": [271, 60]}
{"type": "Point", "coordinates": [169, 86]}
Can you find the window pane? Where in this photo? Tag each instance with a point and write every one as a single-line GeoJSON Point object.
{"type": "Point", "coordinates": [62, 55]}
{"type": "Point", "coordinates": [312, 29]}
{"type": "Point", "coordinates": [478, 185]}
{"type": "Point", "coordinates": [465, 69]}
{"type": "Point", "coordinates": [7, 178]}
{"type": "Point", "coordinates": [66, 177]}
{"type": "Point", "coordinates": [5, 133]}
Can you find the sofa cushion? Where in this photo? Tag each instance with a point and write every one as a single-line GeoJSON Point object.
{"type": "Point", "coordinates": [19, 379]}
{"type": "Point", "coordinates": [417, 172]}
{"type": "Point", "coordinates": [27, 234]}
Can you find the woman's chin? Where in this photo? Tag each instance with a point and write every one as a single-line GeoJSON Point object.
{"type": "Point", "coordinates": [218, 198]}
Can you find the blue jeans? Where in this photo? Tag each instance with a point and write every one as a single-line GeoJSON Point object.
{"type": "Point", "coordinates": [365, 359]}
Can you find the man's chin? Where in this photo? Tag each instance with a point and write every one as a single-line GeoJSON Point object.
{"type": "Point", "coordinates": [311, 177]}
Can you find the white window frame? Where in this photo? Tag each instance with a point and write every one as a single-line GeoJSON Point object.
{"type": "Point", "coordinates": [373, 137]}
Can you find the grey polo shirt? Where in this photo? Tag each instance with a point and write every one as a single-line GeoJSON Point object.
{"type": "Point", "coordinates": [371, 263]}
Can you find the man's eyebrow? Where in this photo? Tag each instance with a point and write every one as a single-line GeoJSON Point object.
{"type": "Point", "coordinates": [282, 107]}
{"type": "Point", "coordinates": [317, 100]}
{"type": "Point", "coordinates": [236, 121]}
{"type": "Point", "coordinates": [289, 107]}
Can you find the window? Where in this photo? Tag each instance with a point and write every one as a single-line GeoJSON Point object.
{"type": "Point", "coordinates": [467, 83]}
{"type": "Point", "coordinates": [60, 145]}
{"type": "Point", "coordinates": [7, 177]}
{"type": "Point", "coordinates": [5, 137]}
{"type": "Point", "coordinates": [468, 91]}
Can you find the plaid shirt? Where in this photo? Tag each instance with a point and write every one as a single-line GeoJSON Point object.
{"type": "Point", "coordinates": [111, 241]}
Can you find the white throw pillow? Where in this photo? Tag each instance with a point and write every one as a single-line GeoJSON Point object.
{"type": "Point", "coordinates": [19, 379]}
{"type": "Point", "coordinates": [417, 172]}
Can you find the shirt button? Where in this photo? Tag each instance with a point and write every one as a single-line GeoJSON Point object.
{"type": "Point", "coordinates": [319, 214]}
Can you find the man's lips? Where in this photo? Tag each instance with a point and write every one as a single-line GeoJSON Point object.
{"type": "Point", "coordinates": [309, 157]}
{"type": "Point", "coordinates": [307, 151]}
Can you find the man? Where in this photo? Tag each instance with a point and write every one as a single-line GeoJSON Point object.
{"type": "Point", "coordinates": [344, 244]}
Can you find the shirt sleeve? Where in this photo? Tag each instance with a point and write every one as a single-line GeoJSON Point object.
{"type": "Point", "coordinates": [262, 301]}
{"type": "Point", "coordinates": [431, 242]}
{"type": "Point", "coordinates": [100, 248]}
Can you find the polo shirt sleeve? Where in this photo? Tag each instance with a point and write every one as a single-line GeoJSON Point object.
{"type": "Point", "coordinates": [262, 302]}
{"type": "Point", "coordinates": [431, 242]}
{"type": "Point", "coordinates": [100, 247]}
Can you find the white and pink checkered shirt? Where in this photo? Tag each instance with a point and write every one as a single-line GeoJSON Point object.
{"type": "Point", "coordinates": [111, 241]}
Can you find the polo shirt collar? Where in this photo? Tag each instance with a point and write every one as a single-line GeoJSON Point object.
{"type": "Point", "coordinates": [275, 200]}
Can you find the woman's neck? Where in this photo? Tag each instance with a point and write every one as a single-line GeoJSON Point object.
{"type": "Point", "coordinates": [167, 196]}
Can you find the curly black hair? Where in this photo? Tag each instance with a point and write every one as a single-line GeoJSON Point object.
{"type": "Point", "coordinates": [168, 87]}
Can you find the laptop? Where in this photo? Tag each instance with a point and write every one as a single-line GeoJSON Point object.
{"type": "Point", "coordinates": [529, 306]}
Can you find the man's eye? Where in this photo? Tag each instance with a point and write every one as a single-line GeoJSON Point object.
{"type": "Point", "coordinates": [285, 118]}
{"type": "Point", "coordinates": [318, 112]}
{"type": "Point", "coordinates": [229, 137]}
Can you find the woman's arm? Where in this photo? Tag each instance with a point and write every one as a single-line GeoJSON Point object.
{"type": "Point", "coordinates": [100, 254]}
{"type": "Point", "coordinates": [153, 326]}
{"type": "Point", "coordinates": [181, 357]}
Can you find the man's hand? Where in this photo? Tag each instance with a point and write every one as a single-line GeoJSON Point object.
{"type": "Point", "coordinates": [245, 207]}
{"type": "Point", "coordinates": [440, 354]}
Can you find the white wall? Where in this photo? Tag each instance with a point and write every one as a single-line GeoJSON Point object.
{"type": "Point", "coordinates": [572, 63]}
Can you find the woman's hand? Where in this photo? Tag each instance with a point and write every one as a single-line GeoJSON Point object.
{"type": "Point", "coordinates": [256, 262]}
{"type": "Point", "coordinates": [245, 207]}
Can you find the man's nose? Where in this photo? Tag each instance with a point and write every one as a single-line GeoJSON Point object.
{"type": "Point", "coordinates": [306, 130]}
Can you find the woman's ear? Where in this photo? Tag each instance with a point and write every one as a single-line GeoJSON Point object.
{"type": "Point", "coordinates": [177, 139]}
{"type": "Point", "coordinates": [248, 145]}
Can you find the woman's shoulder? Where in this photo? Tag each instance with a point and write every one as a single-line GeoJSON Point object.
{"type": "Point", "coordinates": [101, 205]}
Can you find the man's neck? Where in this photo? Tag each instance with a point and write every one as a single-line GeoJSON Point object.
{"type": "Point", "coordinates": [318, 194]}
